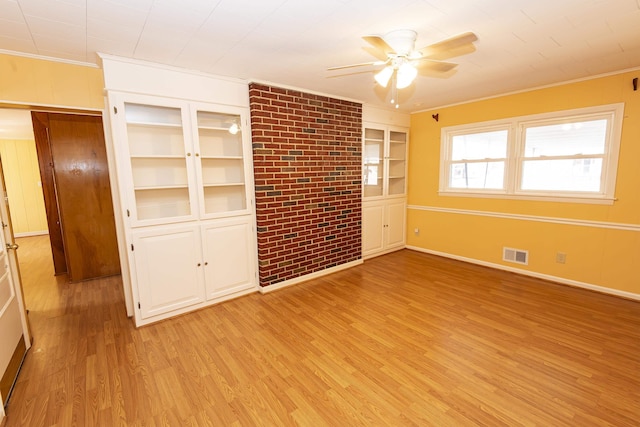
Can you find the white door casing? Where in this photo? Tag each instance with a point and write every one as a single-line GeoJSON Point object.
{"type": "Point", "coordinates": [13, 321]}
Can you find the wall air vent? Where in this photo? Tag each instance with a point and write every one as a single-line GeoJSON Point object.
{"type": "Point", "coordinates": [518, 256]}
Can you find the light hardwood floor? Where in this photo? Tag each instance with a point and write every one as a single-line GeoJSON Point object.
{"type": "Point", "coordinates": [404, 339]}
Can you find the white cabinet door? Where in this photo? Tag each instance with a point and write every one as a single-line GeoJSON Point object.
{"type": "Point", "coordinates": [223, 160]}
{"type": "Point", "coordinates": [373, 154]}
{"type": "Point", "coordinates": [228, 257]}
{"type": "Point", "coordinates": [383, 226]}
{"type": "Point", "coordinates": [372, 228]}
{"type": "Point", "coordinates": [384, 161]}
{"type": "Point", "coordinates": [395, 224]}
{"type": "Point", "coordinates": [169, 269]}
{"type": "Point", "coordinates": [155, 159]}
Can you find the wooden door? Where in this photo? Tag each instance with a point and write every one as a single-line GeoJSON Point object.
{"type": "Point", "coordinates": [14, 331]}
{"type": "Point", "coordinates": [83, 194]}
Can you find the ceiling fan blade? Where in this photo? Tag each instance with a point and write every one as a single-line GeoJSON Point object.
{"type": "Point", "coordinates": [379, 43]}
{"type": "Point", "coordinates": [449, 44]}
{"type": "Point", "coordinates": [376, 53]}
{"type": "Point", "coordinates": [447, 54]}
{"type": "Point", "coordinates": [362, 64]}
{"type": "Point", "coordinates": [437, 66]}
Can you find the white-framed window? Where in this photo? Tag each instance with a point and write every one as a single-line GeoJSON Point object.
{"type": "Point", "coordinates": [569, 155]}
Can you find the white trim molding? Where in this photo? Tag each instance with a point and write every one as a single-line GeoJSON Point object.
{"type": "Point", "coordinates": [31, 233]}
{"type": "Point", "coordinates": [560, 280]}
{"type": "Point", "coordinates": [531, 89]}
{"type": "Point", "coordinates": [48, 58]}
{"type": "Point", "coordinates": [554, 220]}
{"type": "Point", "coordinates": [314, 275]}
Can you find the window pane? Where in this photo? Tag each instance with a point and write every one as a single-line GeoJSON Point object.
{"type": "Point", "coordinates": [486, 175]}
{"type": "Point", "coordinates": [485, 145]}
{"type": "Point", "coordinates": [566, 139]}
{"type": "Point", "coordinates": [562, 175]}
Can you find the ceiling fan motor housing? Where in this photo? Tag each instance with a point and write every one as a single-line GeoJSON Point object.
{"type": "Point", "coordinates": [402, 41]}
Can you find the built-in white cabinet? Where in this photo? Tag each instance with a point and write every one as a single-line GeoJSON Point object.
{"type": "Point", "coordinates": [185, 179]}
{"type": "Point", "coordinates": [384, 226]}
{"type": "Point", "coordinates": [228, 257]}
{"type": "Point", "coordinates": [184, 161]}
{"type": "Point", "coordinates": [384, 168]}
{"type": "Point", "coordinates": [384, 164]}
{"type": "Point", "coordinates": [181, 267]}
{"type": "Point", "coordinates": [169, 272]}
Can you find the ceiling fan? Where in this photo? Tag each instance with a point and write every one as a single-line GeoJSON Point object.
{"type": "Point", "coordinates": [403, 62]}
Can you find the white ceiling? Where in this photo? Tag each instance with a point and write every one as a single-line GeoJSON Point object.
{"type": "Point", "coordinates": [521, 43]}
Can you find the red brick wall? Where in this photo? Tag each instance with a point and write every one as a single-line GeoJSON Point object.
{"type": "Point", "coordinates": [307, 163]}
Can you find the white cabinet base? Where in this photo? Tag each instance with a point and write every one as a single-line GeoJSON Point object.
{"type": "Point", "coordinates": [182, 268]}
{"type": "Point", "coordinates": [229, 257]}
{"type": "Point", "coordinates": [168, 277]}
{"type": "Point", "coordinates": [383, 226]}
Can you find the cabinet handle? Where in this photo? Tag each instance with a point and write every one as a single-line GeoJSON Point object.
{"type": "Point", "coordinates": [188, 154]}
{"type": "Point", "coordinates": [197, 154]}
{"type": "Point", "coordinates": [199, 264]}
{"type": "Point", "coordinates": [206, 263]}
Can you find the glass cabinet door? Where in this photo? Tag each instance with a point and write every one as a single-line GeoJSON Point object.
{"type": "Point", "coordinates": [158, 159]}
{"type": "Point", "coordinates": [373, 162]}
{"type": "Point", "coordinates": [397, 162]}
{"type": "Point", "coordinates": [221, 166]}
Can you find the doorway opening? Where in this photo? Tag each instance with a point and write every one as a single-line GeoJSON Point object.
{"type": "Point", "coordinates": [59, 196]}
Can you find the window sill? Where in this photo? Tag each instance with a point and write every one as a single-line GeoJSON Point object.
{"type": "Point", "coordinates": [598, 200]}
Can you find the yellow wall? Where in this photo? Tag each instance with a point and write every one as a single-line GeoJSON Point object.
{"type": "Point", "coordinates": [35, 82]}
{"type": "Point", "coordinates": [39, 82]}
{"type": "Point", "coordinates": [597, 256]}
{"type": "Point", "coordinates": [20, 167]}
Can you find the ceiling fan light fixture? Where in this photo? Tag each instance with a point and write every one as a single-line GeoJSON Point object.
{"type": "Point", "coordinates": [406, 74]}
{"type": "Point", "coordinates": [384, 76]}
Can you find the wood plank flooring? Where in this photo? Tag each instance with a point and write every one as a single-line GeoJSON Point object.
{"type": "Point", "coordinates": [406, 339]}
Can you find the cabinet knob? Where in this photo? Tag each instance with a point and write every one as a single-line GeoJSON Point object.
{"type": "Point", "coordinates": [197, 154]}
{"type": "Point", "coordinates": [206, 263]}
{"type": "Point", "coordinates": [188, 154]}
{"type": "Point", "coordinates": [199, 264]}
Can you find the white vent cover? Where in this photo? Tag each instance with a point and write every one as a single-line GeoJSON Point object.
{"type": "Point", "coordinates": [518, 256]}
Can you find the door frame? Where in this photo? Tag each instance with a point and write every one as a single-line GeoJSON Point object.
{"type": "Point", "coordinates": [16, 282]}
{"type": "Point", "coordinates": [40, 124]}
{"type": "Point", "coordinates": [113, 181]}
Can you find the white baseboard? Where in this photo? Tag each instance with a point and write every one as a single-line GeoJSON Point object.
{"type": "Point", "coordinates": [314, 275]}
{"type": "Point", "coordinates": [31, 233]}
{"type": "Point", "coordinates": [561, 280]}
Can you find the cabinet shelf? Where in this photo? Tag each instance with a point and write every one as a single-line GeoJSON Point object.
{"type": "Point", "coordinates": [156, 156]}
{"type": "Point", "coordinates": [217, 128]}
{"type": "Point", "coordinates": [160, 187]}
{"type": "Point", "coordinates": [154, 124]}
{"type": "Point", "coordinates": [224, 184]}
{"type": "Point", "coordinates": [222, 157]}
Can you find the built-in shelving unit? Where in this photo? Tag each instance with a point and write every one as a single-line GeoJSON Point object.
{"type": "Point", "coordinates": [384, 170]}
{"type": "Point", "coordinates": [221, 162]}
{"type": "Point", "coordinates": [158, 160]}
{"type": "Point", "coordinates": [186, 185]}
